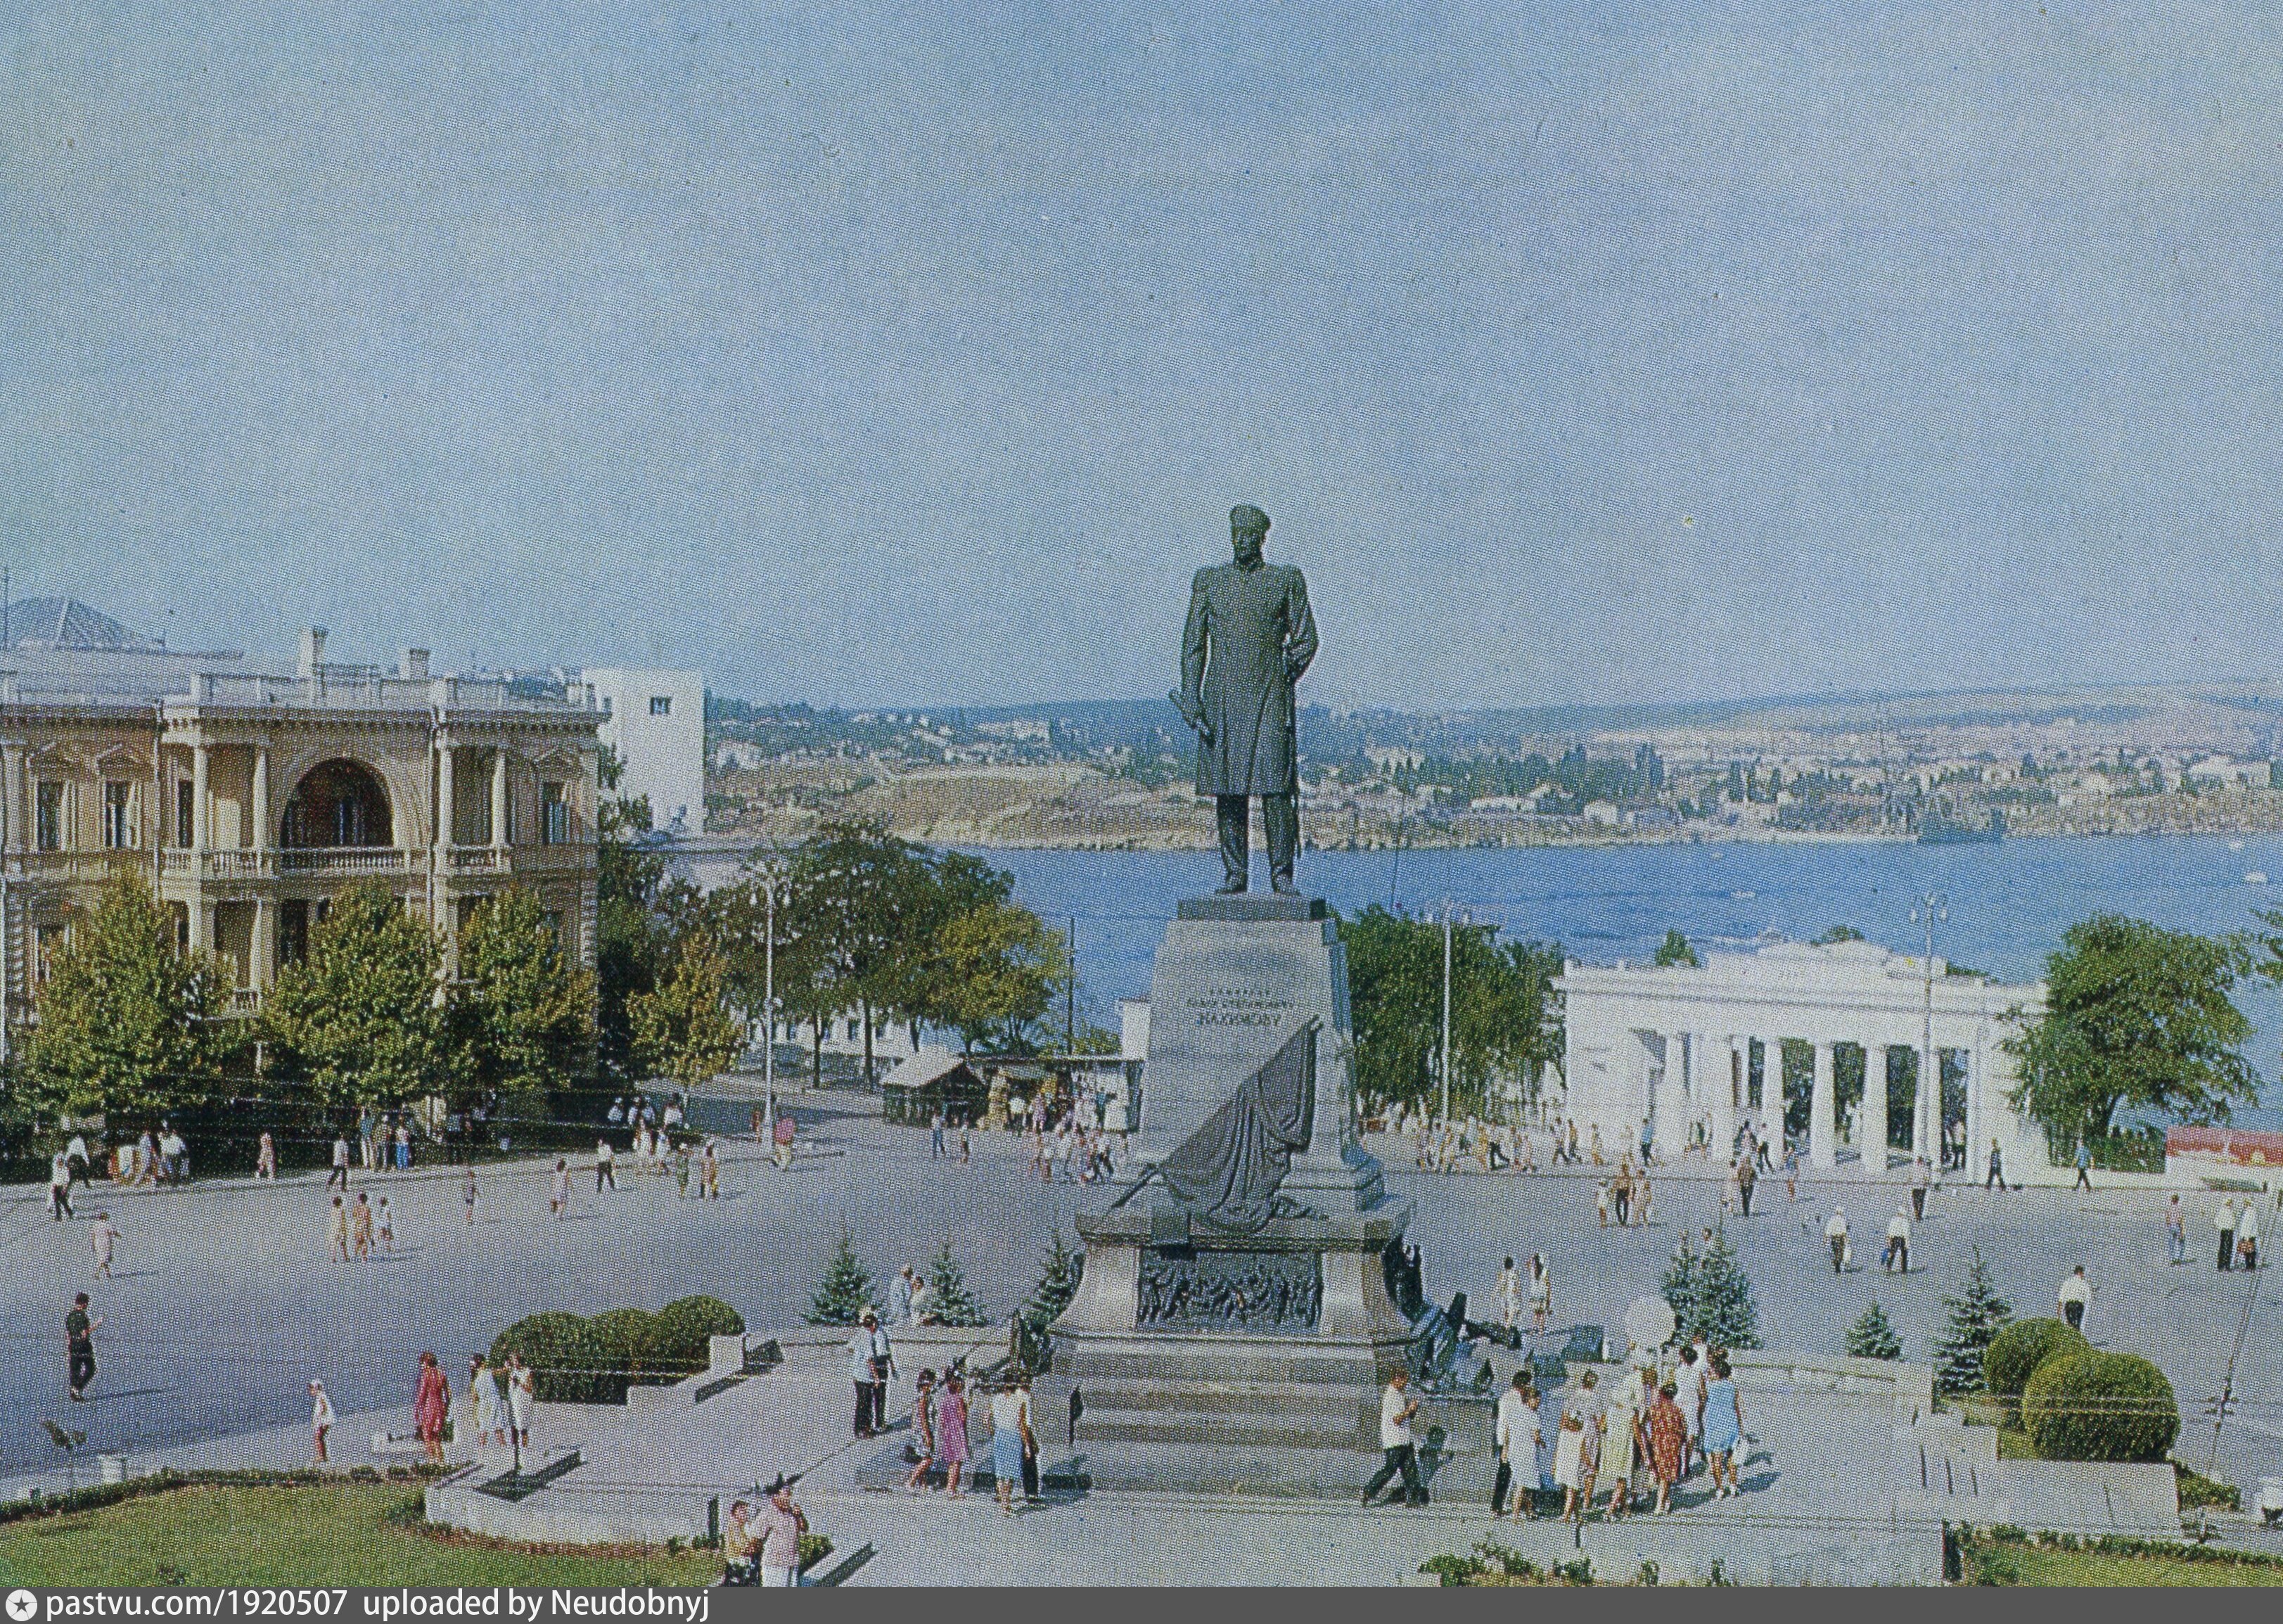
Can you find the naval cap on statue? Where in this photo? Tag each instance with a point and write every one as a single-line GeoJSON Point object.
{"type": "Point", "coordinates": [1244, 516]}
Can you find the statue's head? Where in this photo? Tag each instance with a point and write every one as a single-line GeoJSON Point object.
{"type": "Point", "coordinates": [1248, 530]}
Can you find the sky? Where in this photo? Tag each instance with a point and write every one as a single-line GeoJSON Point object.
{"type": "Point", "coordinates": [914, 353]}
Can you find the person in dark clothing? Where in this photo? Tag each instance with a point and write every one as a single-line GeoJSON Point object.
{"type": "Point", "coordinates": [79, 1345]}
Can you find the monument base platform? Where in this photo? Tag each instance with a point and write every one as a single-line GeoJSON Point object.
{"type": "Point", "coordinates": [1181, 1339]}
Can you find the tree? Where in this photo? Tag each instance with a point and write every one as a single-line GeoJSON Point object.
{"type": "Point", "coordinates": [126, 1022]}
{"type": "Point", "coordinates": [1838, 934]}
{"type": "Point", "coordinates": [683, 1029]}
{"type": "Point", "coordinates": [1504, 1024]}
{"type": "Point", "coordinates": [358, 1017]}
{"type": "Point", "coordinates": [1976, 1316]}
{"type": "Point", "coordinates": [845, 1292]}
{"type": "Point", "coordinates": [643, 912]}
{"type": "Point", "coordinates": [2136, 1016]}
{"type": "Point", "coordinates": [1057, 1285]}
{"type": "Point", "coordinates": [1002, 968]}
{"type": "Point", "coordinates": [1726, 1315]}
{"type": "Point", "coordinates": [949, 1297]}
{"type": "Point", "coordinates": [856, 890]}
{"type": "Point", "coordinates": [1675, 950]}
{"type": "Point", "coordinates": [1872, 1337]}
{"type": "Point", "coordinates": [525, 1015]}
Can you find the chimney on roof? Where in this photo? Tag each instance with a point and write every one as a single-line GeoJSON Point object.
{"type": "Point", "coordinates": [412, 665]}
{"type": "Point", "coordinates": [313, 649]}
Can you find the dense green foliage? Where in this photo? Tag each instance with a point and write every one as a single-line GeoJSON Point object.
{"type": "Point", "coordinates": [870, 923]}
{"type": "Point", "coordinates": [949, 1301]}
{"type": "Point", "coordinates": [845, 1292]}
{"type": "Point", "coordinates": [523, 1013]}
{"type": "Point", "coordinates": [685, 1330]}
{"type": "Point", "coordinates": [2015, 1353]}
{"type": "Point", "coordinates": [1711, 1296]}
{"type": "Point", "coordinates": [1058, 1282]}
{"type": "Point", "coordinates": [1674, 951]}
{"type": "Point", "coordinates": [358, 1017]}
{"type": "Point", "coordinates": [2092, 1406]}
{"type": "Point", "coordinates": [570, 1362]}
{"type": "Point", "coordinates": [1872, 1336]}
{"type": "Point", "coordinates": [127, 1023]}
{"type": "Point", "coordinates": [682, 1026]}
{"type": "Point", "coordinates": [1976, 1316]}
{"type": "Point", "coordinates": [1505, 1019]}
{"type": "Point", "coordinates": [2138, 1016]}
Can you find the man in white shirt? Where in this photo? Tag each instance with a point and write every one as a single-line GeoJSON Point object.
{"type": "Point", "coordinates": [1898, 1240]}
{"type": "Point", "coordinates": [606, 1166]}
{"type": "Point", "coordinates": [1509, 1290]}
{"type": "Point", "coordinates": [2223, 1220]}
{"type": "Point", "coordinates": [871, 1363]}
{"type": "Point", "coordinates": [1517, 1448]}
{"type": "Point", "coordinates": [2076, 1293]}
{"type": "Point", "coordinates": [1835, 1231]}
{"type": "Point", "coordinates": [1396, 1409]}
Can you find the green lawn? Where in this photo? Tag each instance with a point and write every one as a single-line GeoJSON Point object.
{"type": "Point", "coordinates": [2084, 1568]}
{"type": "Point", "coordinates": [335, 1533]}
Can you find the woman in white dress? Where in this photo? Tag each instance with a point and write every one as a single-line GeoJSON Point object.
{"type": "Point", "coordinates": [522, 1393]}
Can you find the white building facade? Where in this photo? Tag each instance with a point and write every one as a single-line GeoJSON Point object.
{"type": "Point", "coordinates": [655, 723]}
{"type": "Point", "coordinates": [1679, 1055]}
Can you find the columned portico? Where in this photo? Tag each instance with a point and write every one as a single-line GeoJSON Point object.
{"type": "Point", "coordinates": [1672, 1047]}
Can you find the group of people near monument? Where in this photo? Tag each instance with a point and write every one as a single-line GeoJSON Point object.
{"type": "Point", "coordinates": [1639, 1437]}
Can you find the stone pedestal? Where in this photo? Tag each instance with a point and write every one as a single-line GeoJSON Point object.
{"type": "Point", "coordinates": [1206, 1360]}
{"type": "Point", "coordinates": [1235, 977]}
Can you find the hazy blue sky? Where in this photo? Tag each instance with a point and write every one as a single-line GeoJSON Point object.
{"type": "Point", "coordinates": [917, 353]}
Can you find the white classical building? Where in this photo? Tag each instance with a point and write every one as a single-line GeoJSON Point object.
{"type": "Point", "coordinates": [1679, 1054]}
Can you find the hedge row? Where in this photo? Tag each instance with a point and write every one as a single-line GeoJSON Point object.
{"type": "Point", "coordinates": [578, 1361]}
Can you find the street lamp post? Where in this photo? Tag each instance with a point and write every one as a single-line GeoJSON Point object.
{"type": "Point", "coordinates": [1468, 919]}
{"type": "Point", "coordinates": [1926, 1123]}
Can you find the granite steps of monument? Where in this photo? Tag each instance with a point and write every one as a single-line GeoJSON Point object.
{"type": "Point", "coordinates": [1303, 1416]}
{"type": "Point", "coordinates": [1217, 1467]}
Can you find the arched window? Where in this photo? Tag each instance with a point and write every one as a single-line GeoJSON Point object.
{"type": "Point", "coordinates": [338, 803]}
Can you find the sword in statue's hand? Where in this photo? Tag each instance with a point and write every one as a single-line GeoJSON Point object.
{"type": "Point", "coordinates": [1194, 718]}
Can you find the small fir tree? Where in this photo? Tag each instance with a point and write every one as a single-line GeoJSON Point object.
{"type": "Point", "coordinates": [1977, 1316]}
{"type": "Point", "coordinates": [846, 1290]}
{"type": "Point", "coordinates": [1057, 1285]}
{"type": "Point", "coordinates": [1872, 1337]}
{"type": "Point", "coordinates": [1725, 1311]}
{"type": "Point", "coordinates": [949, 1297]}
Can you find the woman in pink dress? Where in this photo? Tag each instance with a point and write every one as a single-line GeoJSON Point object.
{"type": "Point", "coordinates": [951, 1431]}
{"type": "Point", "coordinates": [430, 1406]}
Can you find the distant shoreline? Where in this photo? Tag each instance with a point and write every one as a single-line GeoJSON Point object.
{"type": "Point", "coordinates": [726, 844]}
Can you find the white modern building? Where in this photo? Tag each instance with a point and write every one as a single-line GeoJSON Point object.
{"type": "Point", "coordinates": [655, 723]}
{"type": "Point", "coordinates": [1680, 1054]}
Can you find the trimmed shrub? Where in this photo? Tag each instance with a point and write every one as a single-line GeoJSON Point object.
{"type": "Point", "coordinates": [2092, 1406]}
{"type": "Point", "coordinates": [2015, 1353]}
{"type": "Point", "coordinates": [570, 1364]}
{"type": "Point", "coordinates": [632, 1337]}
{"type": "Point", "coordinates": [684, 1327]}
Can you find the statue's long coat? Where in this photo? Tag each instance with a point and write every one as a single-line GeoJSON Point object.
{"type": "Point", "coordinates": [1249, 636]}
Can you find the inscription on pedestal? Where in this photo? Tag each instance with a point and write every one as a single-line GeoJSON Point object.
{"type": "Point", "coordinates": [1240, 1006]}
{"type": "Point", "coordinates": [1229, 1291]}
